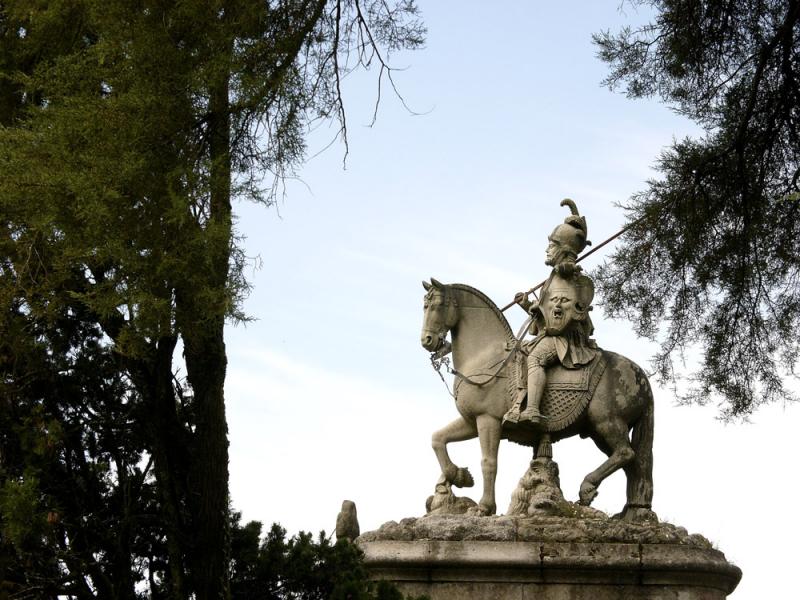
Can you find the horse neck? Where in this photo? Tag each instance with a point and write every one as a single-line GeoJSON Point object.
{"type": "Point", "coordinates": [478, 332]}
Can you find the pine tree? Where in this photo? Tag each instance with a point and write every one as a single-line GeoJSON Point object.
{"type": "Point", "coordinates": [713, 257]}
{"type": "Point", "coordinates": [129, 129]}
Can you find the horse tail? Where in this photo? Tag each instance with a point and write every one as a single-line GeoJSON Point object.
{"type": "Point", "coordinates": [640, 477]}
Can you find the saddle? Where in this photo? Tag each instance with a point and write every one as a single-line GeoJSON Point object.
{"type": "Point", "coordinates": [567, 392]}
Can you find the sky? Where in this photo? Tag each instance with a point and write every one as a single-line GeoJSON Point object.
{"type": "Point", "coordinates": [330, 395]}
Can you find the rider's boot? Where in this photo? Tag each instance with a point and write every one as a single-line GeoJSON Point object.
{"type": "Point", "coordinates": [511, 417]}
{"type": "Point", "coordinates": [536, 381]}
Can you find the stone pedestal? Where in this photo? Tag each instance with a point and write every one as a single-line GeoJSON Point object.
{"type": "Point", "coordinates": [666, 563]}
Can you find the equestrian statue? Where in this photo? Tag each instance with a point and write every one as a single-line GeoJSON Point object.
{"type": "Point", "coordinates": [536, 391]}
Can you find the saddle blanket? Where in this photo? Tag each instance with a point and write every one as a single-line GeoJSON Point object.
{"type": "Point", "coordinates": [568, 392]}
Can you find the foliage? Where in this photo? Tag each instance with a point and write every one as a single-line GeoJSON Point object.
{"type": "Point", "coordinates": [300, 568]}
{"type": "Point", "coordinates": [713, 254]}
{"type": "Point", "coordinates": [77, 499]}
{"type": "Point", "coordinates": [127, 132]}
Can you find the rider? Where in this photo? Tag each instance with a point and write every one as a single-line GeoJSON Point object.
{"type": "Point", "coordinates": [561, 323]}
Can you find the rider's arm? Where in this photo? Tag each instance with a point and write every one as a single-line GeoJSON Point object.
{"type": "Point", "coordinates": [537, 319]}
{"type": "Point", "coordinates": [521, 298]}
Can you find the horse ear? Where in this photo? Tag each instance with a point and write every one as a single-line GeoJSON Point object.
{"type": "Point", "coordinates": [427, 286]}
{"type": "Point", "coordinates": [436, 283]}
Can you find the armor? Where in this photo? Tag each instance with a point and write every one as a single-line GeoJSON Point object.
{"type": "Point", "coordinates": [560, 320]}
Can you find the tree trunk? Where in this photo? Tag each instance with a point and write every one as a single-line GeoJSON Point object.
{"type": "Point", "coordinates": [166, 437]}
{"type": "Point", "coordinates": [206, 363]}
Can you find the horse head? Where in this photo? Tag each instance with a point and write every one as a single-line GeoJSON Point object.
{"type": "Point", "coordinates": [441, 314]}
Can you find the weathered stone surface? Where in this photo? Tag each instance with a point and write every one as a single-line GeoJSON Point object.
{"type": "Point", "coordinates": [548, 558]}
{"type": "Point", "coordinates": [445, 502]}
{"type": "Point", "coordinates": [539, 491]}
{"type": "Point", "coordinates": [546, 570]}
{"type": "Point", "coordinates": [536, 528]}
{"type": "Point", "coordinates": [347, 527]}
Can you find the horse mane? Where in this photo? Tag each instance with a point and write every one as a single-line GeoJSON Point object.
{"type": "Point", "coordinates": [489, 303]}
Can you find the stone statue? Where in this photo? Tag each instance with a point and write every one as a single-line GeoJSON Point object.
{"type": "Point", "coordinates": [560, 322]}
{"type": "Point", "coordinates": [581, 389]}
{"type": "Point", "coordinates": [536, 391]}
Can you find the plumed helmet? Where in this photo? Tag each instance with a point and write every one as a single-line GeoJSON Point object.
{"type": "Point", "coordinates": [572, 232]}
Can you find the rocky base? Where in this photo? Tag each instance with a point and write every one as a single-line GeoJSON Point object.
{"type": "Point", "coordinates": [538, 493]}
{"type": "Point", "coordinates": [590, 526]}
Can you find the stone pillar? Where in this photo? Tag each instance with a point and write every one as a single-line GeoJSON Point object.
{"type": "Point", "coordinates": [506, 569]}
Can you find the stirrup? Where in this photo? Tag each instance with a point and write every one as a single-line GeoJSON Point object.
{"type": "Point", "coordinates": [532, 418]}
{"type": "Point", "coordinates": [511, 417]}
{"type": "Point", "coordinates": [513, 414]}
{"type": "Point", "coordinates": [531, 414]}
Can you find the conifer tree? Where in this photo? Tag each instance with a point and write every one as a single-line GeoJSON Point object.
{"type": "Point", "coordinates": [713, 256]}
{"type": "Point", "coordinates": [128, 131]}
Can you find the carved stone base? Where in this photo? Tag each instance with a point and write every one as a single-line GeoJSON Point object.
{"type": "Point", "coordinates": [499, 558]}
{"type": "Point", "coordinates": [539, 490]}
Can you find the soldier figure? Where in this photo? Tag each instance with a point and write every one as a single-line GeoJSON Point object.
{"type": "Point", "coordinates": [561, 323]}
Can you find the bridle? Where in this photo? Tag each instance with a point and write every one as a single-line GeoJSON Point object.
{"type": "Point", "coordinates": [432, 298]}
{"type": "Point", "coordinates": [439, 357]}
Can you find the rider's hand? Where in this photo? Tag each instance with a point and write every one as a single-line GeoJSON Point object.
{"type": "Point", "coordinates": [520, 297]}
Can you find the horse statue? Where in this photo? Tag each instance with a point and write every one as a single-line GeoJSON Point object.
{"type": "Point", "coordinates": [617, 399]}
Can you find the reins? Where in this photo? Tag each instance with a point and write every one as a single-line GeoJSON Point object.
{"type": "Point", "coordinates": [439, 359]}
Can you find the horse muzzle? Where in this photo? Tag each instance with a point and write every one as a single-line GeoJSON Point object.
{"type": "Point", "coordinates": [431, 341]}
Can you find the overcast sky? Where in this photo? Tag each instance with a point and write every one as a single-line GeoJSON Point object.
{"type": "Point", "coordinates": [330, 395]}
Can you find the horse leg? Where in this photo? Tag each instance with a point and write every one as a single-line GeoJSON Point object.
{"type": "Point", "coordinates": [489, 435]}
{"type": "Point", "coordinates": [457, 431]}
{"type": "Point", "coordinates": [611, 436]}
{"type": "Point", "coordinates": [640, 471]}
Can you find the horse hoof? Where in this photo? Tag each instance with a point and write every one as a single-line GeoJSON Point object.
{"type": "Point", "coordinates": [463, 478]}
{"type": "Point", "coordinates": [587, 493]}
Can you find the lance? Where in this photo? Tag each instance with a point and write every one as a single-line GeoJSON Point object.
{"type": "Point", "coordinates": [581, 257]}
